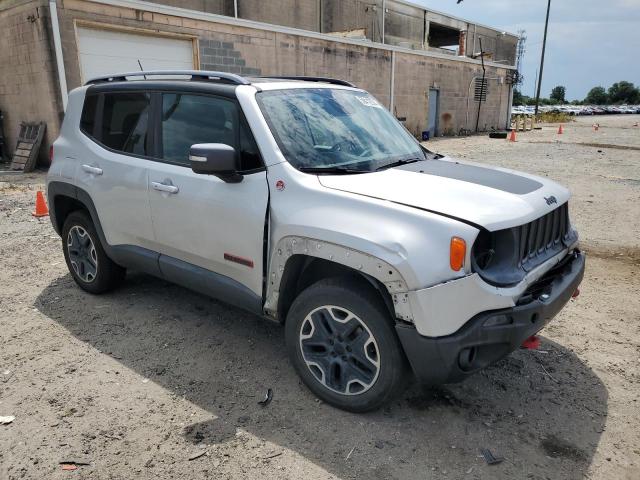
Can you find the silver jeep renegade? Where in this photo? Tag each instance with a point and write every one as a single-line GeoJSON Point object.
{"type": "Point", "coordinates": [304, 201]}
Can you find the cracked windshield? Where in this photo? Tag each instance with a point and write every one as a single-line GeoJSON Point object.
{"type": "Point", "coordinates": [337, 131]}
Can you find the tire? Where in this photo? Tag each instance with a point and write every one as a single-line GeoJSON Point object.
{"type": "Point", "coordinates": [501, 135]}
{"type": "Point", "coordinates": [341, 340]}
{"type": "Point", "coordinates": [86, 259]}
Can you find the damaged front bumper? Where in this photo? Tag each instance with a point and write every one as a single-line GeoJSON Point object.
{"type": "Point", "coordinates": [491, 335]}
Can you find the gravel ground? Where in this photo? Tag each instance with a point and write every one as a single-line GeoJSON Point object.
{"type": "Point", "coordinates": [153, 381]}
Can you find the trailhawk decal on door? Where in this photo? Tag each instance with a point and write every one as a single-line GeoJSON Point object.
{"type": "Point", "coordinates": [241, 260]}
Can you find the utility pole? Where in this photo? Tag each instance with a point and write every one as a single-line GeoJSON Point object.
{"type": "Point", "coordinates": [384, 12]}
{"type": "Point", "coordinates": [544, 45]}
{"type": "Point", "coordinates": [522, 40]}
{"type": "Point", "coordinates": [483, 85]}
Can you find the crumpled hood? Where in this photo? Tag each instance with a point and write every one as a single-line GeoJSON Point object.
{"type": "Point", "coordinates": [493, 198]}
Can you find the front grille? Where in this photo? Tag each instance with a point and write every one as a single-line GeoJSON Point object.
{"type": "Point", "coordinates": [543, 236]}
{"type": "Point", "coordinates": [504, 257]}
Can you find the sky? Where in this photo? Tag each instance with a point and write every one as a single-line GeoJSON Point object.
{"type": "Point", "coordinates": [589, 42]}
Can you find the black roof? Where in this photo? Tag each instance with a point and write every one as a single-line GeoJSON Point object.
{"type": "Point", "coordinates": [181, 86]}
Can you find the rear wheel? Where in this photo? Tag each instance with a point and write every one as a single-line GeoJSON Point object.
{"type": "Point", "coordinates": [87, 261]}
{"type": "Point", "coordinates": [341, 340]}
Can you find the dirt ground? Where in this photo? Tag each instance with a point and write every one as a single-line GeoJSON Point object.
{"type": "Point", "coordinates": [153, 381]}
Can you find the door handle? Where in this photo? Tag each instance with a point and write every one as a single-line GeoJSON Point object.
{"type": "Point", "coordinates": [90, 169]}
{"type": "Point", "coordinates": [163, 187]}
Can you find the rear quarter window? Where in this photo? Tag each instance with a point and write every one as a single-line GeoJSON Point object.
{"type": "Point", "coordinates": [88, 118]}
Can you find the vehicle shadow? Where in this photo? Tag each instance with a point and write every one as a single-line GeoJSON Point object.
{"type": "Point", "coordinates": [537, 410]}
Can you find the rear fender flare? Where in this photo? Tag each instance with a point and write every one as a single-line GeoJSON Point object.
{"type": "Point", "coordinates": [55, 189]}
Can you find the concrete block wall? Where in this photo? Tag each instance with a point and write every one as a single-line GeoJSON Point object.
{"type": "Point", "coordinates": [29, 89]}
{"type": "Point", "coordinates": [404, 24]}
{"type": "Point", "coordinates": [219, 55]}
{"type": "Point", "coordinates": [249, 51]}
{"type": "Point", "coordinates": [415, 76]}
{"type": "Point", "coordinates": [245, 51]}
{"type": "Point", "coordinates": [28, 83]}
{"type": "Point", "coordinates": [304, 14]}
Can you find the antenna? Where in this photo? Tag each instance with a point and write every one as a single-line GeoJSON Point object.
{"type": "Point", "coordinates": [141, 69]}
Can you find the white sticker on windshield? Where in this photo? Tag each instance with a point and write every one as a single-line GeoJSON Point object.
{"type": "Point", "coordinates": [369, 102]}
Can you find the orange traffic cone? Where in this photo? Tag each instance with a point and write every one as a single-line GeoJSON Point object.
{"type": "Point", "coordinates": [560, 130]}
{"type": "Point", "coordinates": [512, 137]}
{"type": "Point", "coordinates": [41, 206]}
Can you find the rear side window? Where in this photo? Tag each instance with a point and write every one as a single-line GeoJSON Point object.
{"type": "Point", "coordinates": [190, 119]}
{"type": "Point", "coordinates": [88, 118]}
{"type": "Point", "coordinates": [125, 122]}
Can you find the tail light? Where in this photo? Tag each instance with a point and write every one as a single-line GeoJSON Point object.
{"type": "Point", "coordinates": [50, 154]}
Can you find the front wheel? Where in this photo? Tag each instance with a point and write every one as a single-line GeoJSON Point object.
{"type": "Point", "coordinates": [341, 341]}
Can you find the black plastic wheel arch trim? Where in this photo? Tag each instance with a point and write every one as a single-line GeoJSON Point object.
{"type": "Point", "coordinates": [172, 269]}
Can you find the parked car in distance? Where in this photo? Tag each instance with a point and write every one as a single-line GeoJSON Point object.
{"type": "Point", "coordinates": [577, 109]}
{"type": "Point", "coordinates": [304, 201]}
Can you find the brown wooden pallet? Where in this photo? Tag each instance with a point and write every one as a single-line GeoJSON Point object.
{"type": "Point", "coordinates": [3, 154]}
{"type": "Point", "coordinates": [29, 140]}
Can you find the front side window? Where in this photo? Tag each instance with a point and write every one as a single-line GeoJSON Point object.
{"type": "Point", "coordinates": [125, 122]}
{"type": "Point", "coordinates": [190, 119]}
{"type": "Point", "coordinates": [324, 128]}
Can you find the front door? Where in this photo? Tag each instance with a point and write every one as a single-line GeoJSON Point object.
{"type": "Point", "coordinates": [433, 112]}
{"type": "Point", "coordinates": [201, 219]}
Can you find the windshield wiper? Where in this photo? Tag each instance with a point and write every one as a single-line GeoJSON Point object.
{"type": "Point", "coordinates": [331, 170]}
{"type": "Point", "coordinates": [399, 163]}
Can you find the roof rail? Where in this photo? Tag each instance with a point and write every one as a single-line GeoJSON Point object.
{"type": "Point", "coordinates": [194, 74]}
{"type": "Point", "coordinates": [334, 81]}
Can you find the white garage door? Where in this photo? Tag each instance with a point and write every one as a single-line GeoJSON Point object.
{"type": "Point", "coordinates": [103, 52]}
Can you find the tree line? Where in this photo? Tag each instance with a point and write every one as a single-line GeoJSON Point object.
{"type": "Point", "coordinates": [620, 93]}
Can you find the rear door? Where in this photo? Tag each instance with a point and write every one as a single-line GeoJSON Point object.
{"type": "Point", "coordinates": [112, 158]}
{"type": "Point", "coordinates": [201, 219]}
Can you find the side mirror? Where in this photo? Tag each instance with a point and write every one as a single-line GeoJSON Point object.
{"type": "Point", "coordinates": [215, 159]}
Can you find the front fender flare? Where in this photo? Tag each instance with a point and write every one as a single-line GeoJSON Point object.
{"type": "Point", "coordinates": [382, 271]}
